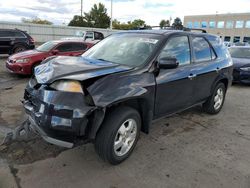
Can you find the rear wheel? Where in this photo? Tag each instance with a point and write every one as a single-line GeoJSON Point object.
{"type": "Point", "coordinates": [19, 48]}
{"type": "Point", "coordinates": [214, 103]}
{"type": "Point", "coordinates": [118, 135]}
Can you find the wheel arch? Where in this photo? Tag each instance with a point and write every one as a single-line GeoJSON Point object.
{"type": "Point", "coordinates": [142, 105]}
{"type": "Point", "coordinates": [223, 80]}
{"type": "Point", "coordinates": [139, 104]}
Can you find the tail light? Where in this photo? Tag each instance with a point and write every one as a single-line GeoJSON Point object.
{"type": "Point", "coordinates": [32, 40]}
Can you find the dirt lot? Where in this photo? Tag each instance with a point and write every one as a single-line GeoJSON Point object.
{"type": "Point", "coordinates": [190, 149]}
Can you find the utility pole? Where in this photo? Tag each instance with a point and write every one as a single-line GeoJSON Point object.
{"type": "Point", "coordinates": [111, 20]}
{"type": "Point", "coordinates": [81, 8]}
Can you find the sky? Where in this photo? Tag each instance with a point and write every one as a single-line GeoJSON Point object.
{"type": "Point", "coordinates": [152, 11]}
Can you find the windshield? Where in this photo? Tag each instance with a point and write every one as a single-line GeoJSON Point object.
{"type": "Point", "coordinates": [240, 52]}
{"type": "Point", "coordinates": [47, 46]}
{"type": "Point", "coordinates": [126, 49]}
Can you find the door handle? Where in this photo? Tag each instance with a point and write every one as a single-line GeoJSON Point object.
{"type": "Point", "coordinates": [192, 76]}
{"type": "Point", "coordinates": [218, 69]}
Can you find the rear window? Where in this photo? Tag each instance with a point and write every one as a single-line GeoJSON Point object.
{"type": "Point", "coordinates": [220, 49]}
{"type": "Point", "coordinates": [11, 33]}
{"type": "Point", "coordinates": [18, 34]}
{"type": "Point", "coordinates": [78, 46]}
{"type": "Point", "coordinates": [70, 47]}
{"type": "Point", "coordinates": [201, 48]}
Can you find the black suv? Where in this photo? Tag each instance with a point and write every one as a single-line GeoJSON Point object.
{"type": "Point", "coordinates": [114, 90]}
{"type": "Point", "coordinates": [14, 40]}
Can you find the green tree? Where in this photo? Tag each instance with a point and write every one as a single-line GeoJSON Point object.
{"type": "Point", "coordinates": [177, 24]}
{"type": "Point", "coordinates": [96, 17]}
{"type": "Point", "coordinates": [36, 20]}
{"type": "Point", "coordinates": [78, 21]}
{"type": "Point", "coordinates": [164, 23]}
{"type": "Point", "coordinates": [136, 24]}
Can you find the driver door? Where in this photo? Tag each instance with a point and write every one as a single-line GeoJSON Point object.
{"type": "Point", "coordinates": [174, 87]}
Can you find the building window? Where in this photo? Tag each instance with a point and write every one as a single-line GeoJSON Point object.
{"type": "Point", "coordinates": [189, 25]}
{"type": "Point", "coordinates": [246, 39]}
{"type": "Point", "coordinates": [220, 24]}
{"type": "Point", "coordinates": [227, 38]}
{"type": "Point", "coordinates": [248, 24]}
{"type": "Point", "coordinates": [230, 24]}
{"type": "Point", "coordinates": [212, 24]}
{"type": "Point", "coordinates": [236, 39]}
{"type": "Point", "coordinates": [203, 24]}
{"type": "Point", "coordinates": [196, 24]}
{"type": "Point", "coordinates": [239, 24]}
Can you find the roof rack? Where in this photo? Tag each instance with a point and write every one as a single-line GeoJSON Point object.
{"type": "Point", "coordinates": [171, 28]}
{"type": "Point", "coordinates": [189, 29]}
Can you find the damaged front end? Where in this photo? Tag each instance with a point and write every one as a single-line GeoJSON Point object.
{"type": "Point", "coordinates": [60, 117]}
{"type": "Point", "coordinates": [58, 104]}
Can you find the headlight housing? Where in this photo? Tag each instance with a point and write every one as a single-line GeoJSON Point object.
{"type": "Point", "coordinates": [67, 85]}
{"type": "Point", "coordinates": [26, 60]}
{"type": "Point", "coordinates": [245, 68]}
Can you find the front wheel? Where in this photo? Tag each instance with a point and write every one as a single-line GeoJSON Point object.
{"type": "Point", "coordinates": [118, 135]}
{"type": "Point", "coordinates": [215, 102]}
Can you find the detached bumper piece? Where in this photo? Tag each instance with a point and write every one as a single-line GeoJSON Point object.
{"type": "Point", "coordinates": [58, 117]}
{"type": "Point", "coordinates": [241, 76]}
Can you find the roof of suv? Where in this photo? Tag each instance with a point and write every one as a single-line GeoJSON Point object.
{"type": "Point", "coordinates": [163, 32]}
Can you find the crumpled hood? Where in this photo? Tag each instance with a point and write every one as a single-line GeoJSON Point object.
{"type": "Point", "coordinates": [76, 68]}
{"type": "Point", "coordinates": [25, 54]}
{"type": "Point", "coordinates": [241, 62]}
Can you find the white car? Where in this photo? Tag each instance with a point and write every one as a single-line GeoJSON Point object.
{"type": "Point", "coordinates": [88, 36]}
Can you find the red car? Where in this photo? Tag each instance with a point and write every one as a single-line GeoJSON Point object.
{"type": "Point", "coordinates": [24, 62]}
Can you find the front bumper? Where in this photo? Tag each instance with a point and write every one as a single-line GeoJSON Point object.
{"type": "Point", "coordinates": [18, 68]}
{"type": "Point", "coordinates": [47, 138]}
{"type": "Point", "coordinates": [241, 76]}
{"type": "Point", "coordinates": [61, 118]}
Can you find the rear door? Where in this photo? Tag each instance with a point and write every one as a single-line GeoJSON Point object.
{"type": "Point", "coordinates": [6, 41]}
{"type": "Point", "coordinates": [206, 68]}
{"type": "Point", "coordinates": [175, 87]}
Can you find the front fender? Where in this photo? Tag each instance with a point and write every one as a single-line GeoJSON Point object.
{"type": "Point", "coordinates": [119, 87]}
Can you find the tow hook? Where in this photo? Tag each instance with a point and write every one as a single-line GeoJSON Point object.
{"type": "Point", "coordinates": [21, 133]}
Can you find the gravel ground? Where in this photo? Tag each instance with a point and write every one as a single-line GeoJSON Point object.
{"type": "Point", "coordinates": [190, 149]}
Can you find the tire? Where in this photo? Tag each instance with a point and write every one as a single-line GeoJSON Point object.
{"type": "Point", "coordinates": [18, 48]}
{"type": "Point", "coordinates": [218, 95]}
{"type": "Point", "coordinates": [111, 132]}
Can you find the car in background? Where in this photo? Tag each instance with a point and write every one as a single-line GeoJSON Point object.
{"type": "Point", "coordinates": [241, 44]}
{"type": "Point", "coordinates": [228, 44]}
{"type": "Point", "coordinates": [92, 36]}
{"type": "Point", "coordinates": [15, 40]}
{"type": "Point", "coordinates": [25, 62]}
{"type": "Point", "coordinates": [119, 86]}
{"type": "Point", "coordinates": [241, 63]}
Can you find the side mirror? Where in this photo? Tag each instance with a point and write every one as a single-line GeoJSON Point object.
{"type": "Point", "coordinates": [168, 63]}
{"type": "Point", "coordinates": [55, 52]}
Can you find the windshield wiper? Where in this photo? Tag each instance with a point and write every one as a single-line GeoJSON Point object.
{"type": "Point", "coordinates": [106, 60]}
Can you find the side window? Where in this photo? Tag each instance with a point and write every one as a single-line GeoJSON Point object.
{"type": "Point", "coordinates": [177, 47]}
{"type": "Point", "coordinates": [6, 33]}
{"type": "Point", "coordinates": [67, 47]}
{"type": "Point", "coordinates": [201, 48]}
{"type": "Point", "coordinates": [18, 34]}
{"type": "Point", "coordinates": [98, 36]}
{"type": "Point", "coordinates": [89, 35]}
{"type": "Point", "coordinates": [78, 47]}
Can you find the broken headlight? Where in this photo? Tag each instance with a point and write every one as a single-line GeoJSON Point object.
{"type": "Point", "coordinates": [67, 85]}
